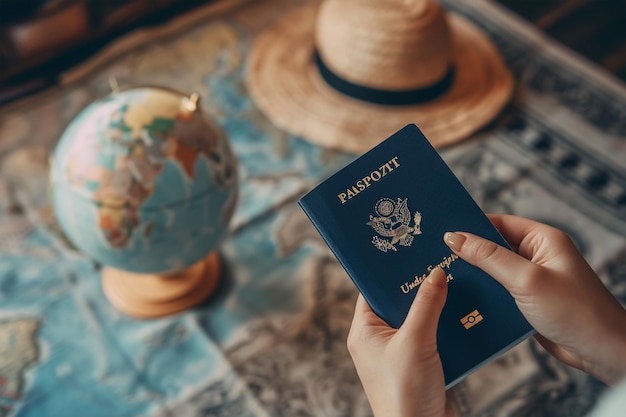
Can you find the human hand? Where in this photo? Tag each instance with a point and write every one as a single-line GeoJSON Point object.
{"type": "Point", "coordinates": [400, 368]}
{"type": "Point", "coordinates": [577, 319]}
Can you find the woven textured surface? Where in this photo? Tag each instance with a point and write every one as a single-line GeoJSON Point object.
{"type": "Point", "coordinates": [287, 87]}
{"type": "Point", "coordinates": [271, 342]}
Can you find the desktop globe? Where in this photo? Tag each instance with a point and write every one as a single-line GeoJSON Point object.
{"type": "Point", "coordinates": [145, 183]}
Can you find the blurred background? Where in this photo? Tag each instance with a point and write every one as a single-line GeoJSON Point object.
{"type": "Point", "coordinates": [40, 38]}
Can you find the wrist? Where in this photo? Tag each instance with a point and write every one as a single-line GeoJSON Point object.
{"type": "Point", "coordinates": [609, 364]}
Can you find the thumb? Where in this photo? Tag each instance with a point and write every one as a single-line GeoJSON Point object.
{"type": "Point", "coordinates": [423, 316]}
{"type": "Point", "coordinates": [503, 265]}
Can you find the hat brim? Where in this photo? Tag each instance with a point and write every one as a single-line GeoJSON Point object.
{"type": "Point", "coordinates": [285, 84]}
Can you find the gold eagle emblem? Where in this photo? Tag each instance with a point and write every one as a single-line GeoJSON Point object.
{"type": "Point", "coordinates": [393, 223]}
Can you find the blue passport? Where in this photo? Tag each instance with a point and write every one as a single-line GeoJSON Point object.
{"type": "Point", "coordinates": [384, 216]}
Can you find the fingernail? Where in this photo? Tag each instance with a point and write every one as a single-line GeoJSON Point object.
{"type": "Point", "coordinates": [454, 240]}
{"type": "Point", "coordinates": [437, 277]}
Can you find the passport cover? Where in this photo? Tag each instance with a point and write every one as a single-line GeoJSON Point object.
{"type": "Point", "coordinates": [384, 216]}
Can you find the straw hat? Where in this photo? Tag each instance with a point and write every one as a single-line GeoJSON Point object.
{"type": "Point", "coordinates": [346, 74]}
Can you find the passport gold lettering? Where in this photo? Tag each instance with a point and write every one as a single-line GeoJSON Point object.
{"type": "Point", "coordinates": [417, 281]}
{"type": "Point", "coordinates": [368, 180]}
{"type": "Point", "coordinates": [445, 263]}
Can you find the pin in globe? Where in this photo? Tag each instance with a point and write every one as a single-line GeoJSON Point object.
{"type": "Point", "coordinates": [145, 183]}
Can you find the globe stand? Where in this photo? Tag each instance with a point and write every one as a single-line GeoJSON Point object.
{"type": "Point", "coordinates": [157, 295]}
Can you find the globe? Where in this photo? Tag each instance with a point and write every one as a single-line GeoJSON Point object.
{"type": "Point", "coordinates": [143, 181]}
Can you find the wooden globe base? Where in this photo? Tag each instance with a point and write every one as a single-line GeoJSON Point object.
{"type": "Point", "coordinates": [157, 295]}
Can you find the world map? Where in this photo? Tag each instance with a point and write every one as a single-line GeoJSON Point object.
{"type": "Point", "coordinates": [18, 351]}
